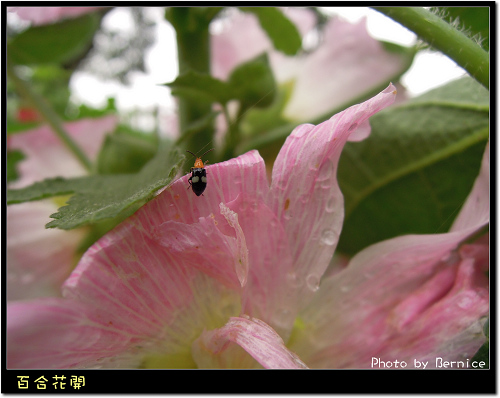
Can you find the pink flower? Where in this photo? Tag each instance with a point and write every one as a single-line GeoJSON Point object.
{"type": "Point", "coordinates": [47, 15]}
{"type": "Point", "coordinates": [227, 49]}
{"type": "Point", "coordinates": [415, 297]}
{"type": "Point", "coordinates": [39, 259]}
{"type": "Point", "coordinates": [229, 279]}
{"type": "Point", "coordinates": [347, 64]}
{"type": "Point", "coordinates": [47, 157]}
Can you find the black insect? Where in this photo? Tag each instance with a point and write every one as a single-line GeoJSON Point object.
{"type": "Point", "coordinates": [198, 179]}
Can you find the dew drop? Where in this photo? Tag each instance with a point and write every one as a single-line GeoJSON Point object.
{"type": "Point", "coordinates": [330, 205]}
{"type": "Point", "coordinates": [326, 171]}
{"type": "Point", "coordinates": [312, 282]}
{"type": "Point", "coordinates": [282, 183]}
{"type": "Point", "coordinates": [314, 165]}
{"type": "Point", "coordinates": [328, 237]}
{"type": "Point", "coordinates": [284, 317]}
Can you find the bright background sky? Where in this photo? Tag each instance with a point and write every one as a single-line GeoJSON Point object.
{"type": "Point", "coordinates": [429, 70]}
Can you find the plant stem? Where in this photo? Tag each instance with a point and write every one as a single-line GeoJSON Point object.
{"type": "Point", "coordinates": [232, 135]}
{"type": "Point", "coordinates": [193, 50]}
{"type": "Point", "coordinates": [445, 38]}
{"type": "Point", "coordinates": [48, 115]}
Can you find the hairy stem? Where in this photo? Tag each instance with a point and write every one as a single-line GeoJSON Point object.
{"type": "Point", "coordinates": [445, 38]}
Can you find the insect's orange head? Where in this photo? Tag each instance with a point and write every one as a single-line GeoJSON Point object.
{"type": "Point", "coordinates": [198, 163]}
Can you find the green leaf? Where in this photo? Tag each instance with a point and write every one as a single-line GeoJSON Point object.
{"type": "Point", "coordinates": [100, 197]}
{"type": "Point", "coordinates": [47, 188]}
{"type": "Point", "coordinates": [195, 85]}
{"type": "Point", "coordinates": [483, 354]}
{"type": "Point", "coordinates": [125, 151]}
{"type": "Point", "coordinates": [85, 111]}
{"type": "Point", "coordinates": [258, 122]}
{"type": "Point", "coordinates": [56, 43]}
{"type": "Point", "coordinates": [188, 19]}
{"type": "Point", "coordinates": [253, 83]}
{"type": "Point", "coordinates": [13, 158]}
{"type": "Point", "coordinates": [282, 32]}
{"type": "Point", "coordinates": [197, 126]}
{"type": "Point", "coordinates": [474, 20]}
{"type": "Point", "coordinates": [414, 172]}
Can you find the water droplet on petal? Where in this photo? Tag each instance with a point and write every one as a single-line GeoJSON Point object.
{"type": "Point", "coordinates": [280, 180]}
{"type": "Point", "coordinates": [328, 237]}
{"type": "Point", "coordinates": [330, 205]}
{"type": "Point", "coordinates": [312, 282]}
{"type": "Point", "coordinates": [326, 171]}
{"type": "Point", "coordinates": [284, 318]}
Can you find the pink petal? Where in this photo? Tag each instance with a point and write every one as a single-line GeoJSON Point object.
{"type": "Point", "coordinates": [136, 282]}
{"type": "Point", "coordinates": [270, 291]}
{"type": "Point", "coordinates": [407, 298]}
{"type": "Point", "coordinates": [46, 15]}
{"type": "Point", "coordinates": [476, 210]}
{"type": "Point", "coordinates": [254, 336]}
{"type": "Point", "coordinates": [240, 249]}
{"type": "Point", "coordinates": [205, 247]}
{"type": "Point", "coordinates": [46, 156]}
{"type": "Point", "coordinates": [54, 333]}
{"type": "Point", "coordinates": [242, 39]}
{"type": "Point", "coordinates": [345, 66]}
{"type": "Point", "coordinates": [304, 192]}
{"type": "Point", "coordinates": [226, 180]}
{"type": "Point", "coordinates": [38, 259]}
